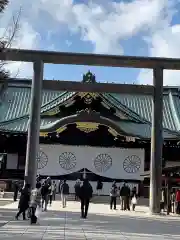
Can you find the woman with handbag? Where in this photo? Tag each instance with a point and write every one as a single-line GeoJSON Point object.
{"type": "Point", "coordinates": [134, 198]}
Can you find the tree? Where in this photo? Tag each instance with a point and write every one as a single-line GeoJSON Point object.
{"type": "Point", "coordinates": [7, 38]}
{"type": "Point", "coordinates": [3, 73]}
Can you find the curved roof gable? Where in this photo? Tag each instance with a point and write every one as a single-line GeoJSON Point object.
{"type": "Point", "coordinates": [15, 102]}
{"type": "Point", "coordinates": [139, 130]}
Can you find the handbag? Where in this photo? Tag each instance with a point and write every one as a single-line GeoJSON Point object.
{"type": "Point", "coordinates": [134, 201]}
{"type": "Point", "coordinates": [29, 212]}
{"type": "Point", "coordinates": [38, 212]}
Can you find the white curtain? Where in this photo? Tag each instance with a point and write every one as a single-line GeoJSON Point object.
{"type": "Point", "coordinates": [108, 162]}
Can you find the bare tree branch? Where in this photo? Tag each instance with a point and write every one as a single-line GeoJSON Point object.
{"type": "Point", "coordinates": [13, 30]}
{"type": "Point", "coordinates": [8, 38]}
{"type": "Point", "coordinates": [3, 4]}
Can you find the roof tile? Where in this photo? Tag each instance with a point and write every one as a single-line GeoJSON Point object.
{"type": "Point", "coordinates": [142, 105]}
{"type": "Point", "coordinates": [16, 100]}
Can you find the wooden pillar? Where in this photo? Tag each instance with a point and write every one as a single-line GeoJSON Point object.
{"type": "Point", "coordinates": [156, 142]}
{"type": "Point", "coordinates": [34, 125]}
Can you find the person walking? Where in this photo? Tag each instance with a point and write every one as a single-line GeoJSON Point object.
{"type": "Point", "coordinates": [38, 179]}
{"type": "Point", "coordinates": [172, 199]}
{"type": "Point", "coordinates": [162, 202]}
{"type": "Point", "coordinates": [77, 187]}
{"type": "Point", "coordinates": [35, 202]}
{"type": "Point", "coordinates": [85, 194]}
{"type": "Point", "coordinates": [113, 195]}
{"type": "Point", "coordinates": [64, 193]}
{"type": "Point", "coordinates": [178, 201]}
{"type": "Point", "coordinates": [16, 189]}
{"type": "Point", "coordinates": [134, 198]}
{"type": "Point", "coordinates": [54, 191]}
{"type": "Point", "coordinates": [24, 201]}
{"type": "Point", "coordinates": [59, 186]}
{"type": "Point", "coordinates": [50, 194]}
{"type": "Point", "coordinates": [99, 187]}
{"type": "Point", "coordinates": [45, 191]}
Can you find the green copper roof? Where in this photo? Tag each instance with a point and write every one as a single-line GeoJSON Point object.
{"type": "Point", "coordinates": [20, 125]}
{"type": "Point", "coordinates": [15, 101]}
{"type": "Point", "coordinates": [142, 105]}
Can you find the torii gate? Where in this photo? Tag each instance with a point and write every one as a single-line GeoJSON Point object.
{"type": "Point", "coordinates": [38, 58]}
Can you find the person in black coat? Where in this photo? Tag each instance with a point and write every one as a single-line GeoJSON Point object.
{"type": "Point", "coordinates": [77, 187]}
{"type": "Point", "coordinates": [24, 201]}
{"type": "Point", "coordinates": [85, 194]}
{"type": "Point", "coordinates": [99, 187]}
{"type": "Point", "coordinates": [125, 197]}
{"type": "Point", "coordinates": [45, 191]}
{"type": "Point", "coordinates": [16, 189]}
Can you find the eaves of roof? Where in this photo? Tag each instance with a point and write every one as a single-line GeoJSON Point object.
{"type": "Point", "coordinates": [142, 106]}
{"type": "Point", "coordinates": [21, 125]}
{"type": "Point", "coordinates": [140, 130]}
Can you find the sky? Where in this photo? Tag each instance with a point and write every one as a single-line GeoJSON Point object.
{"type": "Point", "coordinates": [129, 27]}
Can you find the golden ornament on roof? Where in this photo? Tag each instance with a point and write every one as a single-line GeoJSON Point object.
{"type": "Point", "coordinates": [87, 127]}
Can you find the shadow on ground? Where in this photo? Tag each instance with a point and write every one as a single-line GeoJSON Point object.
{"type": "Point", "coordinates": [59, 223]}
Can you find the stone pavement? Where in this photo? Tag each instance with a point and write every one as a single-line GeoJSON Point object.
{"type": "Point", "coordinates": [102, 223]}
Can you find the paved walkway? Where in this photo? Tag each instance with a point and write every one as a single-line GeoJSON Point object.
{"type": "Point", "coordinates": [102, 223]}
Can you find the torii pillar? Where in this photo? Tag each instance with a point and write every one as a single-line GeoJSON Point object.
{"type": "Point", "coordinates": [34, 125]}
{"type": "Point", "coordinates": [156, 142]}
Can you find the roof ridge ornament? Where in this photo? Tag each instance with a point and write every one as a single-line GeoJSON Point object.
{"type": "Point", "coordinates": [88, 111]}
{"type": "Point", "coordinates": [89, 77]}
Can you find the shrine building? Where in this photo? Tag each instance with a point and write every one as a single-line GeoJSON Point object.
{"type": "Point", "coordinates": [105, 136]}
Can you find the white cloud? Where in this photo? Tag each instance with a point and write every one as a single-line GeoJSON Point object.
{"type": "Point", "coordinates": [25, 38]}
{"type": "Point", "coordinates": [59, 10]}
{"type": "Point", "coordinates": [104, 24]}
{"type": "Point", "coordinates": [164, 43]}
